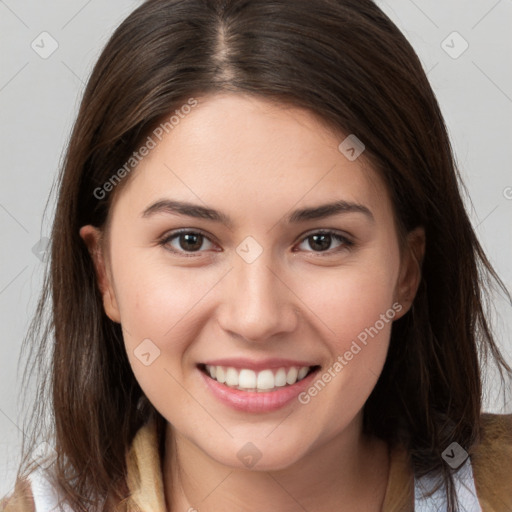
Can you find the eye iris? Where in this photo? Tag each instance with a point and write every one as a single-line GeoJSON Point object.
{"type": "Point", "coordinates": [194, 240]}
{"type": "Point", "coordinates": [322, 241]}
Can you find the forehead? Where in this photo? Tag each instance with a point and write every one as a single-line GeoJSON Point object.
{"type": "Point", "coordinates": [255, 157]}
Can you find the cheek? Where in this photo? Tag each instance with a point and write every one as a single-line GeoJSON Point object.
{"type": "Point", "coordinates": [354, 314]}
{"type": "Point", "coordinates": [157, 301]}
{"type": "Point", "coordinates": [159, 307]}
{"type": "Point", "coordinates": [348, 300]}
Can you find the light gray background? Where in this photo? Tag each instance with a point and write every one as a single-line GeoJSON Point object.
{"type": "Point", "coordinates": [39, 99]}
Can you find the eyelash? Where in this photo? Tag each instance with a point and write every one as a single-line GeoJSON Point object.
{"type": "Point", "coordinates": [347, 244]}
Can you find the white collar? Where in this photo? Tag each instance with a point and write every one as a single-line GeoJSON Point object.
{"type": "Point", "coordinates": [464, 486]}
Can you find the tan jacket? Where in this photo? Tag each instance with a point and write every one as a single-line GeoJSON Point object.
{"type": "Point", "coordinates": [491, 461]}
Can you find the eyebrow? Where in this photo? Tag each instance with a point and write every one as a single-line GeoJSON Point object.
{"type": "Point", "coordinates": [169, 206]}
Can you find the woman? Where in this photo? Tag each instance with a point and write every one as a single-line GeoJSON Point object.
{"type": "Point", "coordinates": [266, 292]}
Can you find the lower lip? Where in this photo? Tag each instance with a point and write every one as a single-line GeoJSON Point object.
{"type": "Point", "coordinates": [256, 401]}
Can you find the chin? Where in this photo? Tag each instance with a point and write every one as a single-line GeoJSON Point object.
{"type": "Point", "coordinates": [259, 455]}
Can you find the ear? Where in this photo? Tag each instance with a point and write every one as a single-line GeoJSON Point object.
{"type": "Point", "coordinates": [93, 239]}
{"type": "Point", "coordinates": [410, 270]}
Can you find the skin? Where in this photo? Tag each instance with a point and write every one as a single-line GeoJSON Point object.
{"type": "Point", "coordinates": [256, 161]}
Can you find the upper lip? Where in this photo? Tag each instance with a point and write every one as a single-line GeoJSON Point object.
{"type": "Point", "coordinates": [250, 364]}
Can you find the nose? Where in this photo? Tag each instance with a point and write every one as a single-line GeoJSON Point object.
{"type": "Point", "coordinates": [258, 304]}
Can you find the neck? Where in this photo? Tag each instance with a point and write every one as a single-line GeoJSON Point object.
{"type": "Point", "coordinates": [348, 472]}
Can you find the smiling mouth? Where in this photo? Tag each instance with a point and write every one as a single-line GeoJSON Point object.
{"type": "Point", "coordinates": [266, 380]}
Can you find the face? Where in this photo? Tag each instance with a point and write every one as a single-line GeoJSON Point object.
{"type": "Point", "coordinates": [252, 312]}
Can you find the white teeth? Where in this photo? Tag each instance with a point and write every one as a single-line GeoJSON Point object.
{"type": "Point", "coordinates": [265, 380]}
{"type": "Point", "coordinates": [280, 378]}
{"type": "Point", "coordinates": [302, 373]}
{"type": "Point", "coordinates": [220, 374]}
{"type": "Point", "coordinates": [232, 377]}
{"type": "Point", "coordinates": [249, 380]}
{"type": "Point", "coordinates": [292, 375]}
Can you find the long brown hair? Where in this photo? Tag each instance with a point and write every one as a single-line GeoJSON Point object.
{"type": "Point", "coordinates": [341, 59]}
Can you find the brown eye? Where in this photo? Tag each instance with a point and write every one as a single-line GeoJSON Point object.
{"type": "Point", "coordinates": [321, 241]}
{"type": "Point", "coordinates": [186, 241]}
{"type": "Point", "coordinates": [190, 241]}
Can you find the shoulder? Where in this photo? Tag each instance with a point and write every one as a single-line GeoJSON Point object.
{"type": "Point", "coordinates": [491, 458]}
{"type": "Point", "coordinates": [21, 499]}
{"type": "Point", "coordinates": [484, 482]}
{"type": "Point", "coordinates": [38, 493]}
{"type": "Point", "coordinates": [496, 428]}
{"type": "Point", "coordinates": [34, 493]}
